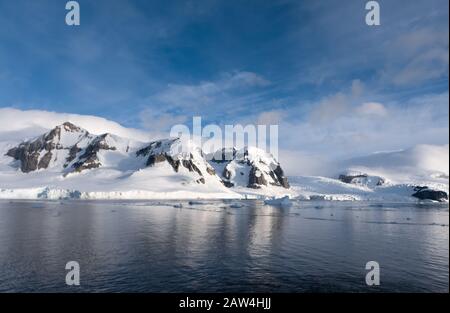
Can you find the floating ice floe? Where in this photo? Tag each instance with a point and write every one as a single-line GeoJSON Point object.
{"type": "Point", "coordinates": [283, 201]}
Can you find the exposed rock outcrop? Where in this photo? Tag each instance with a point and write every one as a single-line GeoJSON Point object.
{"type": "Point", "coordinates": [76, 146]}
{"type": "Point", "coordinates": [362, 179]}
{"type": "Point", "coordinates": [349, 179]}
{"type": "Point", "coordinates": [256, 178]}
{"type": "Point", "coordinates": [89, 159]}
{"type": "Point", "coordinates": [72, 154]}
{"type": "Point", "coordinates": [424, 193]}
{"type": "Point", "coordinates": [224, 155]}
{"type": "Point", "coordinates": [179, 155]}
{"type": "Point", "coordinates": [248, 167]}
{"type": "Point", "coordinates": [37, 153]}
{"type": "Point", "coordinates": [279, 173]}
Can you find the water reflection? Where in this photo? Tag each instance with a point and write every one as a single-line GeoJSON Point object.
{"type": "Point", "coordinates": [222, 246]}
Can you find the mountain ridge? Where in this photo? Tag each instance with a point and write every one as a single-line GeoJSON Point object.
{"type": "Point", "coordinates": [68, 161]}
{"type": "Point", "coordinates": [68, 150]}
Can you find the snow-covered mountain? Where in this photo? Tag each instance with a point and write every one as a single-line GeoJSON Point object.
{"type": "Point", "coordinates": [419, 173]}
{"type": "Point", "coordinates": [66, 148]}
{"type": "Point", "coordinates": [250, 167]}
{"type": "Point", "coordinates": [69, 161]}
{"type": "Point", "coordinates": [181, 156]}
{"type": "Point", "coordinates": [405, 166]}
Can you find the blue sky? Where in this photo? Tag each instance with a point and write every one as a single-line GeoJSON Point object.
{"type": "Point", "coordinates": [311, 66]}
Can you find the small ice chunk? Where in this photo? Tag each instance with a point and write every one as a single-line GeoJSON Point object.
{"type": "Point", "coordinates": [284, 201]}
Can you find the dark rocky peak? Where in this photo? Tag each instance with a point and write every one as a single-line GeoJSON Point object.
{"type": "Point", "coordinates": [82, 147]}
{"type": "Point", "coordinates": [37, 153]}
{"type": "Point", "coordinates": [157, 147]}
{"type": "Point", "coordinates": [68, 126]}
{"type": "Point", "coordinates": [57, 132]}
{"type": "Point", "coordinates": [102, 142]}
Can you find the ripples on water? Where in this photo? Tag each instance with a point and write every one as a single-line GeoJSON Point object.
{"type": "Point", "coordinates": [223, 246]}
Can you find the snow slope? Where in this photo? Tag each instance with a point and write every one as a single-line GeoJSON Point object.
{"type": "Point", "coordinates": [421, 161]}
{"type": "Point", "coordinates": [386, 176]}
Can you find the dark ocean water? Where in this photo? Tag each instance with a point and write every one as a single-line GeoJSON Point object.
{"type": "Point", "coordinates": [220, 246]}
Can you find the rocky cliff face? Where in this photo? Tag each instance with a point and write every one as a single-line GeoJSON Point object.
{"type": "Point", "coordinates": [39, 152]}
{"type": "Point", "coordinates": [248, 167]}
{"type": "Point", "coordinates": [89, 158]}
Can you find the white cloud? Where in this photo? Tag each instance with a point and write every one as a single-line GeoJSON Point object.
{"type": "Point", "coordinates": [302, 163]}
{"type": "Point", "coordinates": [361, 129]}
{"type": "Point", "coordinates": [349, 124]}
{"type": "Point", "coordinates": [244, 79]}
{"type": "Point", "coordinates": [208, 92]}
{"type": "Point", "coordinates": [331, 107]}
{"type": "Point", "coordinates": [372, 108]}
{"type": "Point", "coordinates": [426, 66]}
{"type": "Point", "coordinates": [159, 122]}
{"type": "Point", "coordinates": [416, 56]}
{"type": "Point", "coordinates": [339, 104]}
{"type": "Point", "coordinates": [273, 117]}
{"type": "Point", "coordinates": [17, 124]}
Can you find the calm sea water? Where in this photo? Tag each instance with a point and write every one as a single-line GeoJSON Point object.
{"type": "Point", "coordinates": [220, 246]}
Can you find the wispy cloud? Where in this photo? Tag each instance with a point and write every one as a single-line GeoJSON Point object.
{"type": "Point", "coordinates": [209, 92]}
{"type": "Point", "coordinates": [229, 94]}
{"type": "Point", "coordinates": [416, 57]}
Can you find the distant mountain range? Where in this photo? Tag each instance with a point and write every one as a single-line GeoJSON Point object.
{"type": "Point", "coordinates": [68, 161]}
